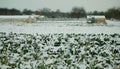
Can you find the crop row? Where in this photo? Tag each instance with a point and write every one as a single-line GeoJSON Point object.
{"type": "Point", "coordinates": [56, 51]}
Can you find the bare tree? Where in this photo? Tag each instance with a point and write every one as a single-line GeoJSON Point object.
{"type": "Point", "coordinates": [78, 12]}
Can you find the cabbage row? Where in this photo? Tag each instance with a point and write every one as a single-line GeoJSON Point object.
{"type": "Point", "coordinates": [59, 51]}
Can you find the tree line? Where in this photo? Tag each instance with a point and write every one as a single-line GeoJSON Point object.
{"type": "Point", "coordinates": [76, 12]}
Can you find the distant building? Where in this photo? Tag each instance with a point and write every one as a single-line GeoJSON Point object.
{"type": "Point", "coordinates": [18, 18]}
{"type": "Point", "coordinates": [96, 19]}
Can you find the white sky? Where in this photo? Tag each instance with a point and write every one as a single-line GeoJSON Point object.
{"type": "Point", "coordinates": [63, 5]}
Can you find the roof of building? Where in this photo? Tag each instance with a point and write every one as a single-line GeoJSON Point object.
{"type": "Point", "coordinates": [17, 16]}
{"type": "Point", "coordinates": [96, 16]}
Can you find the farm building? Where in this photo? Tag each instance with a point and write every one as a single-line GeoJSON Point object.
{"type": "Point", "coordinates": [18, 18]}
{"type": "Point", "coordinates": [96, 19]}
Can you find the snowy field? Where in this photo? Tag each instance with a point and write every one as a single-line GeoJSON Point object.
{"type": "Point", "coordinates": [59, 51]}
{"type": "Point", "coordinates": [60, 27]}
{"type": "Point", "coordinates": [60, 45]}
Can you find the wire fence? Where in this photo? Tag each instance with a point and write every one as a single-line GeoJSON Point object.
{"type": "Point", "coordinates": [61, 20]}
{"type": "Point", "coordinates": [44, 20]}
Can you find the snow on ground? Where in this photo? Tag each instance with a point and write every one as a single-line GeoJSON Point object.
{"type": "Point", "coordinates": [74, 51]}
{"type": "Point", "coordinates": [60, 27]}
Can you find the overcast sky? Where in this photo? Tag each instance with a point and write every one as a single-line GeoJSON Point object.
{"type": "Point", "coordinates": [63, 5]}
